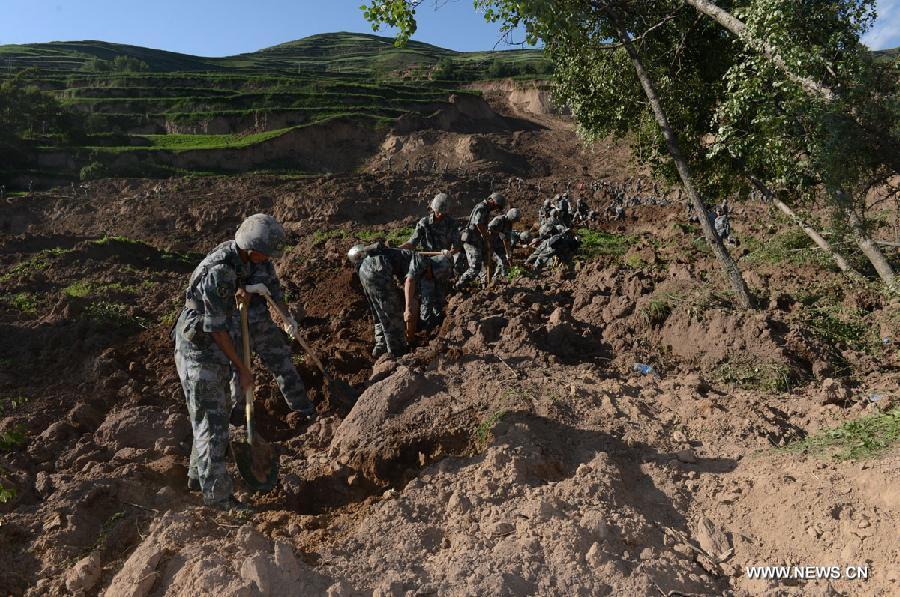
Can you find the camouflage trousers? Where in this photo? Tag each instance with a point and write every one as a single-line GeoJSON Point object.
{"type": "Point", "coordinates": [475, 256]}
{"type": "Point", "coordinates": [267, 341]}
{"type": "Point", "coordinates": [385, 303]}
{"type": "Point", "coordinates": [431, 304]}
{"type": "Point", "coordinates": [543, 254]}
{"type": "Point", "coordinates": [501, 261]}
{"type": "Point", "coordinates": [205, 385]}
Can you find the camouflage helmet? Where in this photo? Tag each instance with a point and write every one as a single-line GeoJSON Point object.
{"type": "Point", "coordinates": [513, 215]}
{"type": "Point", "coordinates": [440, 203]}
{"type": "Point", "coordinates": [357, 253]}
{"type": "Point", "coordinates": [441, 267]}
{"type": "Point", "coordinates": [498, 199]}
{"type": "Point", "coordinates": [261, 233]}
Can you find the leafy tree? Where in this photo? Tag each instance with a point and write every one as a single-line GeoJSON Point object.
{"type": "Point", "coordinates": [594, 47]}
{"type": "Point", "coordinates": [129, 64]}
{"type": "Point", "coordinates": [498, 69]}
{"type": "Point", "coordinates": [120, 64]}
{"type": "Point", "coordinates": [832, 123]}
{"type": "Point", "coordinates": [445, 70]}
{"type": "Point", "coordinates": [26, 114]}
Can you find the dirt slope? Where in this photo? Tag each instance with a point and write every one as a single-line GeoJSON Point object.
{"type": "Point", "coordinates": [514, 452]}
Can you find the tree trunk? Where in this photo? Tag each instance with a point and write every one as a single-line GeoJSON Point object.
{"type": "Point", "coordinates": [810, 232]}
{"type": "Point", "coordinates": [739, 28]}
{"type": "Point", "coordinates": [871, 251]}
{"type": "Point", "coordinates": [732, 273]}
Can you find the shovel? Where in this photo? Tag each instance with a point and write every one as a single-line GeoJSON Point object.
{"type": "Point", "coordinates": [337, 388]}
{"type": "Point", "coordinates": [255, 458]}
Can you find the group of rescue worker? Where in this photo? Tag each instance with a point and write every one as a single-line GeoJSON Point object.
{"type": "Point", "coordinates": [441, 249]}
{"type": "Point", "coordinates": [239, 274]}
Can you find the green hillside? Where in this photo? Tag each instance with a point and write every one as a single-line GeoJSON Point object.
{"type": "Point", "coordinates": [889, 55]}
{"type": "Point", "coordinates": [338, 53]}
{"type": "Point", "coordinates": [122, 98]}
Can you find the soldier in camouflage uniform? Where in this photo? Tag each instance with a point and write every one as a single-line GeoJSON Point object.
{"type": "Point", "coordinates": [205, 353]}
{"type": "Point", "coordinates": [436, 231]}
{"type": "Point", "coordinates": [267, 341]}
{"type": "Point", "coordinates": [561, 245]}
{"type": "Point", "coordinates": [544, 211]}
{"type": "Point", "coordinates": [475, 235]}
{"type": "Point", "coordinates": [502, 239]}
{"type": "Point", "coordinates": [379, 269]}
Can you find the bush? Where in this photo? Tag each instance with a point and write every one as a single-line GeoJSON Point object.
{"type": "Point", "coordinates": [119, 64]}
{"type": "Point", "coordinates": [445, 70]}
{"type": "Point", "coordinates": [12, 439]}
{"type": "Point", "coordinates": [128, 64]}
{"type": "Point", "coordinates": [92, 171]}
{"type": "Point", "coordinates": [499, 69]}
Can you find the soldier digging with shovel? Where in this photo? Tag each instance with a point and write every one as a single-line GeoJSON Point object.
{"type": "Point", "coordinates": [205, 353]}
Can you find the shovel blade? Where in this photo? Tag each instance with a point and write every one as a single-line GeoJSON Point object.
{"type": "Point", "coordinates": [257, 463]}
{"type": "Point", "coordinates": [341, 393]}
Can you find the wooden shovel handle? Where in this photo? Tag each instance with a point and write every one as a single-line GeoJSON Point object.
{"type": "Point", "coordinates": [248, 397]}
{"type": "Point", "coordinates": [298, 337]}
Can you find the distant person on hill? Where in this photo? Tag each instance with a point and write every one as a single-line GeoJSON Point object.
{"type": "Point", "coordinates": [583, 213]}
{"type": "Point", "coordinates": [205, 353]}
{"type": "Point", "coordinates": [544, 211]}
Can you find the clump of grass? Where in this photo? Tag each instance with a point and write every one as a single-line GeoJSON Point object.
{"type": "Point", "coordinates": [320, 236]}
{"type": "Point", "coordinates": [842, 328]}
{"type": "Point", "coordinates": [118, 239]}
{"type": "Point", "coordinates": [659, 308]}
{"type": "Point", "coordinates": [748, 375]}
{"type": "Point", "coordinates": [78, 289]}
{"type": "Point", "coordinates": [634, 261]}
{"type": "Point", "coordinates": [22, 301]}
{"type": "Point", "coordinates": [832, 322]}
{"type": "Point", "coordinates": [699, 243]}
{"type": "Point", "coordinates": [83, 288]}
{"type": "Point", "coordinates": [7, 494]}
{"type": "Point", "coordinates": [595, 243]}
{"type": "Point", "coordinates": [864, 437]}
{"type": "Point", "coordinates": [516, 272]}
{"type": "Point", "coordinates": [398, 236]}
{"type": "Point", "coordinates": [699, 303]}
{"type": "Point", "coordinates": [483, 431]}
{"type": "Point", "coordinates": [169, 318]}
{"type": "Point", "coordinates": [38, 262]}
{"type": "Point", "coordinates": [186, 258]}
{"type": "Point", "coordinates": [113, 314]}
{"type": "Point", "coordinates": [368, 236]}
{"type": "Point", "coordinates": [12, 439]}
{"type": "Point", "coordinates": [792, 246]}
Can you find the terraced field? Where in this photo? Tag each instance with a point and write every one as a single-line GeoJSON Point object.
{"type": "Point", "coordinates": [130, 99]}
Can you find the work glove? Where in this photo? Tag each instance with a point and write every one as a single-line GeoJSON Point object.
{"type": "Point", "coordinates": [258, 289]}
{"type": "Point", "coordinates": [290, 326]}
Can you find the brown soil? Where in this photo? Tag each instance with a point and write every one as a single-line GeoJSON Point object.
{"type": "Point", "coordinates": [515, 451]}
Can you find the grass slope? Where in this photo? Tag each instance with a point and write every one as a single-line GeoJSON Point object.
{"type": "Point", "coordinates": [178, 100]}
